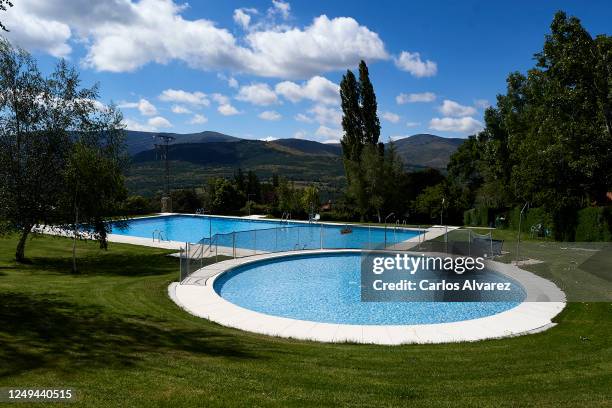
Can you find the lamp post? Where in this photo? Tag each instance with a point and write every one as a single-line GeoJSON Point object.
{"type": "Point", "coordinates": [249, 202]}
{"type": "Point", "coordinates": [386, 218]}
{"type": "Point", "coordinates": [518, 239]}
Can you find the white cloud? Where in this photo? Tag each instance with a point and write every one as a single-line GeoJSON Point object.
{"type": "Point", "coordinates": [317, 88]}
{"type": "Point", "coordinates": [180, 110]}
{"type": "Point", "coordinates": [198, 119]}
{"type": "Point", "coordinates": [257, 94]}
{"type": "Point", "coordinates": [159, 122]}
{"type": "Point", "coordinates": [465, 125]}
{"type": "Point", "coordinates": [242, 17]}
{"type": "Point", "coordinates": [452, 108]}
{"type": "Point", "coordinates": [269, 139]}
{"type": "Point", "coordinates": [300, 117]}
{"type": "Point", "coordinates": [224, 106]}
{"type": "Point", "coordinates": [412, 124]}
{"type": "Point", "coordinates": [227, 110]}
{"type": "Point", "coordinates": [411, 62]}
{"type": "Point", "coordinates": [269, 115]}
{"type": "Point", "coordinates": [37, 31]}
{"type": "Point", "coordinates": [145, 107]}
{"type": "Point", "coordinates": [325, 115]}
{"type": "Point", "coordinates": [482, 103]}
{"type": "Point", "coordinates": [281, 7]}
{"type": "Point", "coordinates": [391, 117]}
{"type": "Point", "coordinates": [398, 137]}
{"type": "Point", "coordinates": [403, 98]}
{"type": "Point", "coordinates": [220, 99]}
{"type": "Point", "coordinates": [331, 135]}
{"type": "Point", "coordinates": [181, 96]}
{"type": "Point", "coordinates": [131, 124]}
{"type": "Point", "coordinates": [122, 36]}
{"type": "Point", "coordinates": [300, 134]}
{"type": "Point", "coordinates": [325, 45]}
{"type": "Point", "coordinates": [231, 81]}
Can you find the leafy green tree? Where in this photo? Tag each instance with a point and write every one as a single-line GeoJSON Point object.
{"type": "Point", "coordinates": [368, 107]}
{"type": "Point", "coordinates": [361, 128]}
{"type": "Point", "coordinates": [185, 200]}
{"type": "Point", "coordinates": [42, 119]}
{"type": "Point", "coordinates": [94, 188]}
{"type": "Point", "coordinates": [253, 187]}
{"type": "Point", "coordinates": [352, 140]}
{"type": "Point", "coordinates": [224, 197]}
{"type": "Point", "coordinates": [240, 181]}
{"type": "Point", "coordinates": [310, 199]}
{"type": "Point", "coordinates": [288, 197]}
{"type": "Point", "coordinates": [547, 141]}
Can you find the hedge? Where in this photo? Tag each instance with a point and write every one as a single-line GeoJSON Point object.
{"type": "Point", "coordinates": [476, 217]}
{"type": "Point", "coordinates": [594, 224]}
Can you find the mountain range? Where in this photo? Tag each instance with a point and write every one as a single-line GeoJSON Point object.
{"type": "Point", "coordinates": [197, 156]}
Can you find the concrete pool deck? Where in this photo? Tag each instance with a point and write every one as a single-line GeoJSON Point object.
{"type": "Point", "coordinates": [543, 302]}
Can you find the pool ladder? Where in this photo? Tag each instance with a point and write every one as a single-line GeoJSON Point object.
{"type": "Point", "coordinates": [285, 217]}
{"type": "Point", "coordinates": [160, 236]}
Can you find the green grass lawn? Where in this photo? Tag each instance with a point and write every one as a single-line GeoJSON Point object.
{"type": "Point", "coordinates": [113, 334]}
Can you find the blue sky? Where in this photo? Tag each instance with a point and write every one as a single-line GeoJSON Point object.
{"type": "Point", "coordinates": [270, 69]}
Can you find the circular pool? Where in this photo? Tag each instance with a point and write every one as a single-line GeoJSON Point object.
{"type": "Point", "coordinates": [315, 295]}
{"type": "Point", "coordinates": [326, 288]}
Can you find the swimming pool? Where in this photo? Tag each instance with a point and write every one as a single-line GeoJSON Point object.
{"type": "Point", "coordinates": [265, 235]}
{"type": "Point", "coordinates": [326, 288]}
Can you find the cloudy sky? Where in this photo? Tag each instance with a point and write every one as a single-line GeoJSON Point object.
{"type": "Point", "coordinates": [270, 69]}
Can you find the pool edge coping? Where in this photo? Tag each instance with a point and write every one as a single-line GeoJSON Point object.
{"type": "Point", "coordinates": [531, 316]}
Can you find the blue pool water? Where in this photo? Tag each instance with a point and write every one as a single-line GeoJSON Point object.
{"type": "Point", "coordinates": [265, 235]}
{"type": "Point", "coordinates": [326, 288]}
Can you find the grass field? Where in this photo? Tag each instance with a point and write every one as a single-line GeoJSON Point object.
{"type": "Point", "coordinates": [112, 333]}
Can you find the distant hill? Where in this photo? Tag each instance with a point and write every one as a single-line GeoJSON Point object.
{"type": "Point", "coordinates": [140, 141]}
{"type": "Point", "coordinates": [301, 146]}
{"type": "Point", "coordinates": [198, 156]}
{"type": "Point", "coordinates": [425, 150]}
{"type": "Point", "coordinates": [193, 163]}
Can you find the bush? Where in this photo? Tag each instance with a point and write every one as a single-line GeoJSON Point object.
{"type": "Point", "coordinates": [532, 218]}
{"type": "Point", "coordinates": [476, 217]}
{"type": "Point", "coordinates": [594, 224]}
{"type": "Point", "coordinates": [136, 204]}
{"type": "Point", "coordinates": [339, 215]}
{"type": "Point", "coordinates": [185, 201]}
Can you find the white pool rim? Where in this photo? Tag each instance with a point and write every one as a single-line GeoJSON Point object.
{"type": "Point", "coordinates": [544, 300]}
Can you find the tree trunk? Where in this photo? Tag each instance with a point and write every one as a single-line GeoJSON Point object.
{"type": "Point", "coordinates": [20, 252]}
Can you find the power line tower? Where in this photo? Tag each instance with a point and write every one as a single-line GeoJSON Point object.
{"type": "Point", "coordinates": [162, 154]}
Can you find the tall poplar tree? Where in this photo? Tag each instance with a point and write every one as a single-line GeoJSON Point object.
{"type": "Point", "coordinates": [352, 141]}
{"type": "Point", "coordinates": [368, 106]}
{"type": "Point", "coordinates": [361, 134]}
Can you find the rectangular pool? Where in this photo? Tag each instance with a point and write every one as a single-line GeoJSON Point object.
{"type": "Point", "coordinates": [262, 235]}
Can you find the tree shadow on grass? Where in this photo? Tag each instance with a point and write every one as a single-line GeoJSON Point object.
{"type": "Point", "coordinates": [118, 264]}
{"type": "Point", "coordinates": [52, 333]}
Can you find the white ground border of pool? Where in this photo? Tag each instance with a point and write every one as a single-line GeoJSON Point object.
{"type": "Point", "coordinates": [544, 301]}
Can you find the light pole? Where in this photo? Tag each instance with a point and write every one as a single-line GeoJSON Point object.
{"type": "Point", "coordinates": [386, 218]}
{"type": "Point", "coordinates": [249, 202]}
{"type": "Point", "coordinates": [518, 239]}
